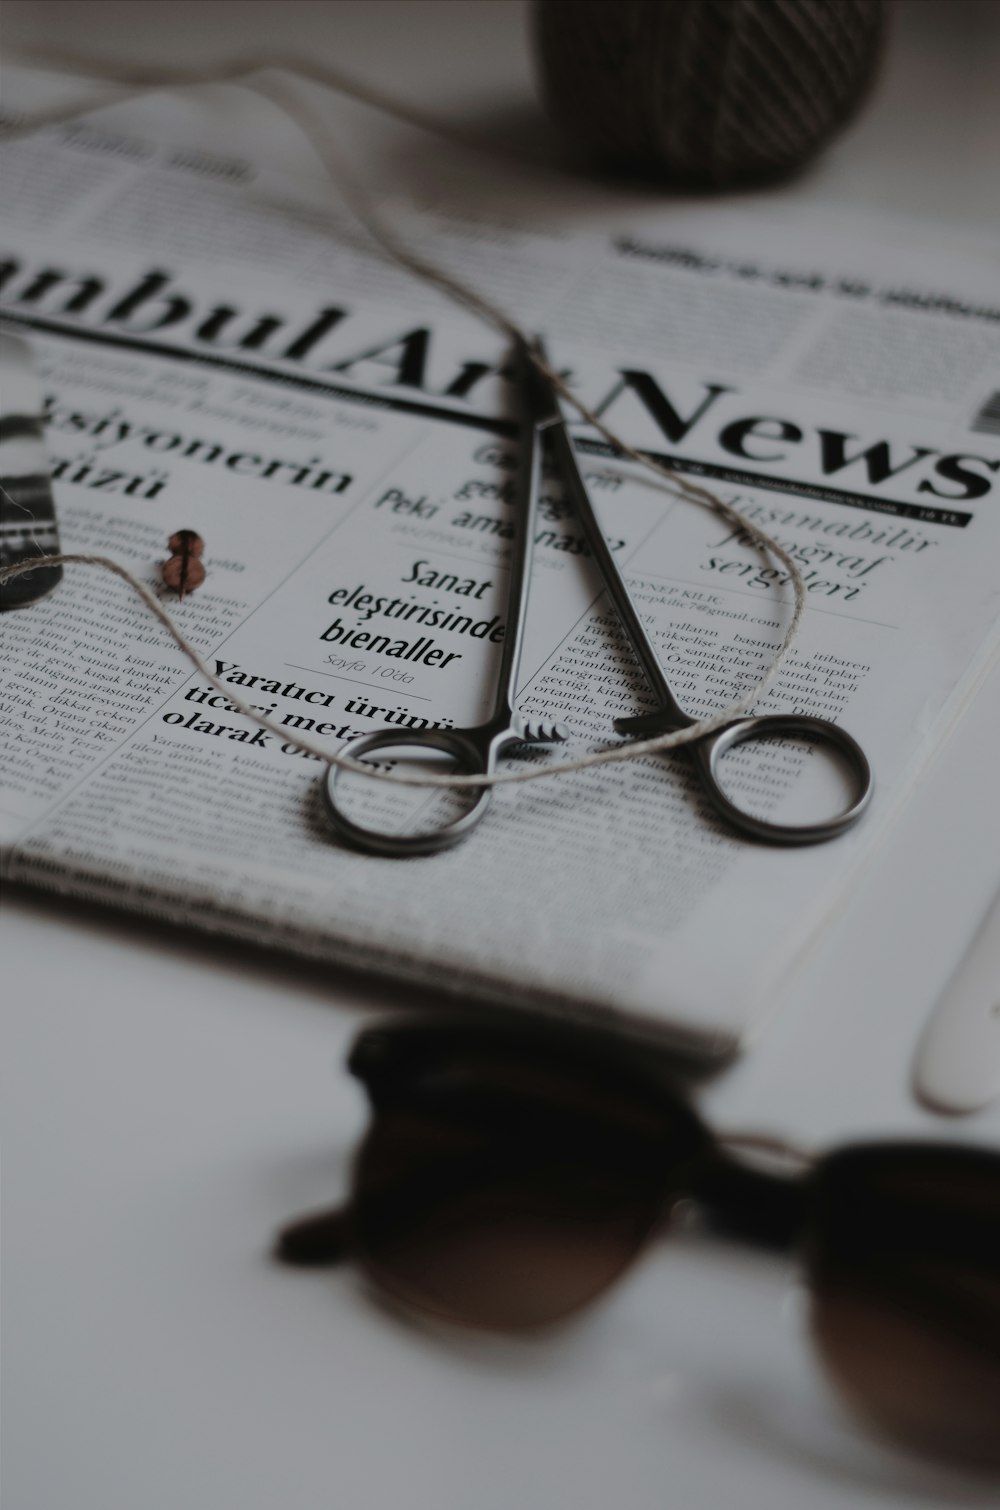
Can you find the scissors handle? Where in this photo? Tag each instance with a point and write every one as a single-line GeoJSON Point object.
{"type": "Point", "coordinates": [668, 714]}
{"type": "Point", "coordinates": [708, 753]}
{"type": "Point", "coordinates": [470, 753]}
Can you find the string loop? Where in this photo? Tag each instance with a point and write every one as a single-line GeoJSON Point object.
{"type": "Point", "coordinates": [264, 77]}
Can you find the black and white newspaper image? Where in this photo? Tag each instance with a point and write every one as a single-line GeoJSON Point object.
{"type": "Point", "coordinates": [221, 352]}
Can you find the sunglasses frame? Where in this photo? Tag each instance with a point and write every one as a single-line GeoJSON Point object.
{"type": "Point", "coordinates": [903, 1226]}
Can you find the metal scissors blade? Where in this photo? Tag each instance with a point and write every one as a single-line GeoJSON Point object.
{"type": "Point", "coordinates": [472, 751]}
{"type": "Point", "coordinates": [667, 715]}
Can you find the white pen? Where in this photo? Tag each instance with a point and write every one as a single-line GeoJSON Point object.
{"type": "Point", "coordinates": [957, 1064]}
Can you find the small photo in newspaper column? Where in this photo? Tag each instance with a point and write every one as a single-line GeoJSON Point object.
{"type": "Point", "coordinates": [28, 527]}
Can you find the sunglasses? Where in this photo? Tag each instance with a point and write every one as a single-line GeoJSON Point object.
{"type": "Point", "coordinates": [510, 1174]}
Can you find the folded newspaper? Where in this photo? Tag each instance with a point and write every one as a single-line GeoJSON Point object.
{"type": "Point", "coordinates": [222, 350]}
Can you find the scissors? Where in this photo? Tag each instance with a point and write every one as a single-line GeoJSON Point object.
{"type": "Point", "coordinates": [475, 750]}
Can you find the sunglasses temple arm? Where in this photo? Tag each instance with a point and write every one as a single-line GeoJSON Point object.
{"type": "Point", "coordinates": [317, 1241]}
{"type": "Point", "coordinates": [765, 1209]}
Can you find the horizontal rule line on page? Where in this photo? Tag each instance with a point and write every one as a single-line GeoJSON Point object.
{"type": "Point", "coordinates": [335, 676]}
{"type": "Point", "coordinates": [805, 490]}
{"type": "Point", "coordinates": [478, 561]}
{"type": "Point", "coordinates": [363, 396]}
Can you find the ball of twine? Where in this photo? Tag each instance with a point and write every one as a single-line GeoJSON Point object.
{"type": "Point", "coordinates": [707, 93]}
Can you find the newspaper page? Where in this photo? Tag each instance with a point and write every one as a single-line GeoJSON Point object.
{"type": "Point", "coordinates": [222, 351]}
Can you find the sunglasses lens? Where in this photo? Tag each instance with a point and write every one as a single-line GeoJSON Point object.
{"type": "Point", "coordinates": [488, 1237]}
{"type": "Point", "coordinates": [506, 1196]}
{"type": "Point", "coordinates": [906, 1282]}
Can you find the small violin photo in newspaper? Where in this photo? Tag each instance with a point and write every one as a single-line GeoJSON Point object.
{"type": "Point", "coordinates": [27, 510]}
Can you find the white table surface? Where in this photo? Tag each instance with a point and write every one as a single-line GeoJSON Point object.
{"type": "Point", "coordinates": [168, 1101]}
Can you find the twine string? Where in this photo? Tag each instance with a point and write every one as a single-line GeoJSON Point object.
{"type": "Point", "coordinates": [652, 746]}
{"type": "Point", "coordinates": [260, 77]}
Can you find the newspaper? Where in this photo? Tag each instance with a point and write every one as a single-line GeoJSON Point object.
{"type": "Point", "coordinates": [223, 350]}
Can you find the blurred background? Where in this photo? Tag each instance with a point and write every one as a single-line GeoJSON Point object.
{"type": "Point", "coordinates": [927, 141]}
